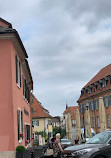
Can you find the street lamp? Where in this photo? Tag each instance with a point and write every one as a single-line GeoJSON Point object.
{"type": "Point", "coordinates": [85, 108]}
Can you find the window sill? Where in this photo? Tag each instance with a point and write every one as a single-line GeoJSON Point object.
{"type": "Point", "coordinates": [18, 85]}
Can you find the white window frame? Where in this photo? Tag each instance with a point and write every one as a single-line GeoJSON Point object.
{"type": "Point", "coordinates": [19, 71]}
{"type": "Point", "coordinates": [20, 130]}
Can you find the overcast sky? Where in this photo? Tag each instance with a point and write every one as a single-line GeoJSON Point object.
{"type": "Point", "coordinates": [67, 41]}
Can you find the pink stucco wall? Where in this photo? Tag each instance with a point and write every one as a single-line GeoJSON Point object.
{"type": "Point", "coordinates": [18, 99]}
{"type": "Point", "coordinates": [11, 97]}
{"type": "Point", "coordinates": [6, 104]}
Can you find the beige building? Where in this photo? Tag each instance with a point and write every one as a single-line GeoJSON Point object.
{"type": "Point", "coordinates": [70, 121]}
{"type": "Point", "coordinates": [41, 119]}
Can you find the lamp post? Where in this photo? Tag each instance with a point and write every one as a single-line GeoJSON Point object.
{"type": "Point", "coordinates": [85, 108]}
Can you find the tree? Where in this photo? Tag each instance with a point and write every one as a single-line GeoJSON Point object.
{"type": "Point", "coordinates": [59, 130]}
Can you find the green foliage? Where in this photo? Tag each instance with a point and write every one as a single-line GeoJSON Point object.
{"type": "Point", "coordinates": [20, 148]}
{"type": "Point", "coordinates": [58, 130]}
{"type": "Point", "coordinates": [42, 133]}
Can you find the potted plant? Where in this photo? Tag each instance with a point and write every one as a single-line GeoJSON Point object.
{"type": "Point", "coordinates": [20, 151]}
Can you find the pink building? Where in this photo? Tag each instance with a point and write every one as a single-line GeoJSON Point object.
{"type": "Point", "coordinates": [15, 86]}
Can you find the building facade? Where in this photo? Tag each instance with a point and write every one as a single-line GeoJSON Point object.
{"type": "Point", "coordinates": [42, 120]}
{"type": "Point", "coordinates": [99, 86]}
{"type": "Point", "coordinates": [15, 86]}
{"type": "Point", "coordinates": [70, 122]}
{"type": "Point", "coordinates": [56, 122]}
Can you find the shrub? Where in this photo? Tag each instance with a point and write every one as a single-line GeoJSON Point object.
{"type": "Point", "coordinates": [20, 148]}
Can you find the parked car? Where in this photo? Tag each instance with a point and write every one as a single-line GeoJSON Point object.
{"type": "Point", "coordinates": [98, 146]}
{"type": "Point", "coordinates": [87, 137]}
{"type": "Point", "coordinates": [65, 143]}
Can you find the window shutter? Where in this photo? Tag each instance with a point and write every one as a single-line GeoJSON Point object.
{"type": "Point", "coordinates": [97, 103]}
{"type": "Point", "coordinates": [22, 122]}
{"type": "Point", "coordinates": [90, 106]}
{"type": "Point", "coordinates": [20, 72]}
{"type": "Point", "coordinates": [23, 87]}
{"type": "Point", "coordinates": [109, 100]}
{"type": "Point", "coordinates": [94, 104]}
{"type": "Point", "coordinates": [18, 120]}
{"type": "Point", "coordinates": [16, 69]}
{"type": "Point", "coordinates": [104, 101]}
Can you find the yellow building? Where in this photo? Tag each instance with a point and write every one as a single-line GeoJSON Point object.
{"type": "Point", "coordinates": [41, 119]}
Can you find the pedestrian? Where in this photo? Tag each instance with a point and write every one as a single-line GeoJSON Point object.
{"type": "Point", "coordinates": [57, 148]}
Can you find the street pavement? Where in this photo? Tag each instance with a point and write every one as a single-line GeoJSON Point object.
{"type": "Point", "coordinates": [49, 153]}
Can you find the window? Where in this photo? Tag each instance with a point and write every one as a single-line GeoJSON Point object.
{"type": "Point", "coordinates": [100, 84]}
{"type": "Point", "coordinates": [26, 92]}
{"type": "Point", "coordinates": [98, 122]}
{"type": "Point", "coordinates": [97, 104]}
{"type": "Point", "coordinates": [27, 134]}
{"type": "Point", "coordinates": [92, 107]}
{"type": "Point", "coordinates": [35, 122]}
{"type": "Point", "coordinates": [49, 122]}
{"type": "Point", "coordinates": [108, 121]}
{"type": "Point", "coordinates": [104, 83]}
{"type": "Point", "coordinates": [93, 121]}
{"type": "Point", "coordinates": [95, 86]}
{"type": "Point", "coordinates": [20, 122]}
{"type": "Point", "coordinates": [105, 100]}
{"type": "Point", "coordinates": [18, 72]}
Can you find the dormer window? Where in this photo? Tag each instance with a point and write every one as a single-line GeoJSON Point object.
{"type": "Point", "coordinates": [103, 83]}
{"type": "Point", "coordinates": [106, 81]}
{"type": "Point", "coordinates": [95, 86]}
{"type": "Point", "coordinates": [100, 84]}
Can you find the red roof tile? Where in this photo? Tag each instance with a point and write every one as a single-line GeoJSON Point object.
{"type": "Point", "coordinates": [40, 111]}
{"type": "Point", "coordinates": [72, 111]}
{"type": "Point", "coordinates": [106, 71]}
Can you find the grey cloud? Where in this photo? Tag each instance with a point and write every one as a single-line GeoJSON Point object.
{"type": "Point", "coordinates": [68, 42]}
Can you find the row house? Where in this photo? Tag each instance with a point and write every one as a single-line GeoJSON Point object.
{"type": "Point", "coordinates": [98, 86]}
{"type": "Point", "coordinates": [72, 111]}
{"type": "Point", "coordinates": [70, 121]}
{"type": "Point", "coordinates": [41, 119]}
{"type": "Point", "coordinates": [15, 86]}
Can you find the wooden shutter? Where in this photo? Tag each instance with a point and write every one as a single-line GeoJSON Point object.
{"type": "Point", "coordinates": [109, 100]}
{"type": "Point", "coordinates": [18, 120]}
{"type": "Point", "coordinates": [16, 59]}
{"type": "Point", "coordinates": [20, 72]}
{"type": "Point", "coordinates": [104, 101]}
{"type": "Point", "coordinates": [22, 122]}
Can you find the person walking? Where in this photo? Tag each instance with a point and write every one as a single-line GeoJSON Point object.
{"type": "Point", "coordinates": [57, 148]}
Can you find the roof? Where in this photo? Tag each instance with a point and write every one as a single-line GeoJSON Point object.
{"type": "Point", "coordinates": [5, 31]}
{"type": "Point", "coordinates": [103, 73]}
{"type": "Point", "coordinates": [40, 111]}
{"type": "Point", "coordinates": [6, 22]}
{"type": "Point", "coordinates": [106, 71]}
{"type": "Point", "coordinates": [9, 30]}
{"type": "Point", "coordinates": [72, 111]}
